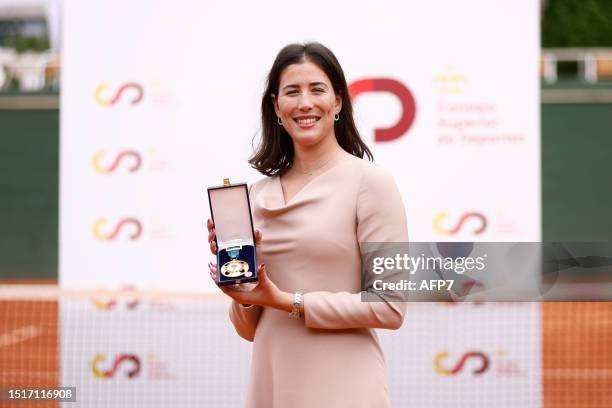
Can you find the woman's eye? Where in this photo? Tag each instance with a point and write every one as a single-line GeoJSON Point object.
{"type": "Point", "coordinates": [318, 90]}
{"type": "Point", "coordinates": [291, 92]}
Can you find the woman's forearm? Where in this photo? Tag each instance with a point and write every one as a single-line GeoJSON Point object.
{"type": "Point", "coordinates": [282, 301]}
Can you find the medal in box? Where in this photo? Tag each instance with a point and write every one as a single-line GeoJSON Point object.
{"type": "Point", "coordinates": [235, 237]}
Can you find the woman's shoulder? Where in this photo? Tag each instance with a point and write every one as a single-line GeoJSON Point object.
{"type": "Point", "coordinates": [258, 185]}
{"type": "Point", "coordinates": [371, 174]}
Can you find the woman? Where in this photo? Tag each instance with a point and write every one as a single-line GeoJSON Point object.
{"type": "Point", "coordinates": [318, 203]}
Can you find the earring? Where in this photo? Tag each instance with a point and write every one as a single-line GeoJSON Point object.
{"type": "Point", "coordinates": [336, 117]}
{"type": "Point", "coordinates": [279, 121]}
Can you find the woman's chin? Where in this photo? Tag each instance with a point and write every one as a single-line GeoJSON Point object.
{"type": "Point", "coordinates": [306, 140]}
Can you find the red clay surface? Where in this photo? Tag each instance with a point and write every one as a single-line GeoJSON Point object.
{"type": "Point", "coordinates": [576, 340]}
{"type": "Point", "coordinates": [577, 354]}
{"type": "Point", "coordinates": [29, 349]}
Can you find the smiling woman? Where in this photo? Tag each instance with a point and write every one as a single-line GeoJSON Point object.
{"type": "Point", "coordinates": [313, 85]}
{"type": "Point", "coordinates": [314, 343]}
{"type": "Point", "coordinates": [307, 104]}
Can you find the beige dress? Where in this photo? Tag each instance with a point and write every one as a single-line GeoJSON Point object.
{"type": "Point", "coordinates": [331, 357]}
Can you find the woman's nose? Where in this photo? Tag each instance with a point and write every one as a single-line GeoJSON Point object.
{"type": "Point", "coordinates": [304, 103]}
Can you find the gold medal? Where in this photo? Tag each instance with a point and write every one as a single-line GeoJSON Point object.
{"type": "Point", "coordinates": [236, 268]}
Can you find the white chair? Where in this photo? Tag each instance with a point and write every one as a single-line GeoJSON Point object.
{"type": "Point", "coordinates": [29, 69]}
{"type": "Point", "coordinates": [7, 59]}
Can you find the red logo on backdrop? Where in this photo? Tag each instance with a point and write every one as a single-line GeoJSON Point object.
{"type": "Point", "coordinates": [105, 98]}
{"type": "Point", "coordinates": [135, 224]}
{"type": "Point", "coordinates": [472, 355]}
{"type": "Point", "coordinates": [481, 223]}
{"type": "Point", "coordinates": [131, 366]}
{"type": "Point", "coordinates": [111, 303]}
{"type": "Point", "coordinates": [125, 155]}
{"type": "Point", "coordinates": [127, 360]}
{"type": "Point", "coordinates": [478, 362]}
{"type": "Point", "coordinates": [401, 92]}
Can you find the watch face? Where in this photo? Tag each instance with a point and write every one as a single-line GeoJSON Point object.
{"type": "Point", "coordinates": [236, 268]}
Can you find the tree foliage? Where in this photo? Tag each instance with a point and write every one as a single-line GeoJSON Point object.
{"type": "Point", "coordinates": [23, 43]}
{"type": "Point", "coordinates": [577, 23]}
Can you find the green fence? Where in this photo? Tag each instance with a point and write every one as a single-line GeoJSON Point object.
{"type": "Point", "coordinates": [577, 172]}
{"type": "Point", "coordinates": [29, 173]}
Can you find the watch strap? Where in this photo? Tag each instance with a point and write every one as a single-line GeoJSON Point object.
{"type": "Point", "coordinates": [296, 306]}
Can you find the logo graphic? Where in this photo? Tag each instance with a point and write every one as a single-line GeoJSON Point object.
{"type": "Point", "coordinates": [101, 236]}
{"type": "Point", "coordinates": [401, 92]}
{"type": "Point", "coordinates": [473, 355]}
{"type": "Point", "coordinates": [135, 89]}
{"type": "Point", "coordinates": [126, 360]}
{"type": "Point", "coordinates": [158, 370]}
{"type": "Point", "coordinates": [451, 82]}
{"type": "Point", "coordinates": [482, 220]}
{"type": "Point", "coordinates": [122, 156]}
{"type": "Point", "coordinates": [130, 303]}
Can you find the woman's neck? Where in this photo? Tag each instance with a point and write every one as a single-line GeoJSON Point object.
{"type": "Point", "coordinates": [311, 158]}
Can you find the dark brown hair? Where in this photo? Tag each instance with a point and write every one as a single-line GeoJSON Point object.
{"type": "Point", "coordinates": [274, 155]}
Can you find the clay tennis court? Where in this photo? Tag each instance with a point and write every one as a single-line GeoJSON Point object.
{"type": "Point", "coordinates": [29, 347]}
{"type": "Point", "coordinates": [577, 351]}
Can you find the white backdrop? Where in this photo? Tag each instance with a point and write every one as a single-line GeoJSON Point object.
{"type": "Point", "coordinates": [154, 100]}
{"type": "Point", "coordinates": [193, 74]}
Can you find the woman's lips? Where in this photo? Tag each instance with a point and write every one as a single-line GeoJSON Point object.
{"type": "Point", "coordinates": [306, 122]}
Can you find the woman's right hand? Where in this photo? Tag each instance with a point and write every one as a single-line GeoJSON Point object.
{"type": "Point", "coordinates": [213, 248]}
{"type": "Point", "coordinates": [211, 237]}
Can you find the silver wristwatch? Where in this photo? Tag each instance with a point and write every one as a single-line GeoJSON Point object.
{"type": "Point", "coordinates": [296, 305]}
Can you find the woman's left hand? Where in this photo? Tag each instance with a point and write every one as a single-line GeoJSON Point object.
{"type": "Point", "coordinates": [262, 293]}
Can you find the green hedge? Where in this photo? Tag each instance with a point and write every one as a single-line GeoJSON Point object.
{"type": "Point", "coordinates": [29, 173]}
{"type": "Point", "coordinates": [577, 23]}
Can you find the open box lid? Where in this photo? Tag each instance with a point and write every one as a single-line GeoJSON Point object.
{"type": "Point", "coordinates": [230, 208]}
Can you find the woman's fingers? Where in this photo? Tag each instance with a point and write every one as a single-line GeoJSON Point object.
{"type": "Point", "coordinates": [211, 237]}
{"type": "Point", "coordinates": [228, 290]}
{"type": "Point", "coordinates": [262, 274]}
{"type": "Point", "coordinates": [213, 270]}
{"type": "Point", "coordinates": [213, 247]}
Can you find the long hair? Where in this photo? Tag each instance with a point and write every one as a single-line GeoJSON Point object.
{"type": "Point", "coordinates": [275, 153]}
